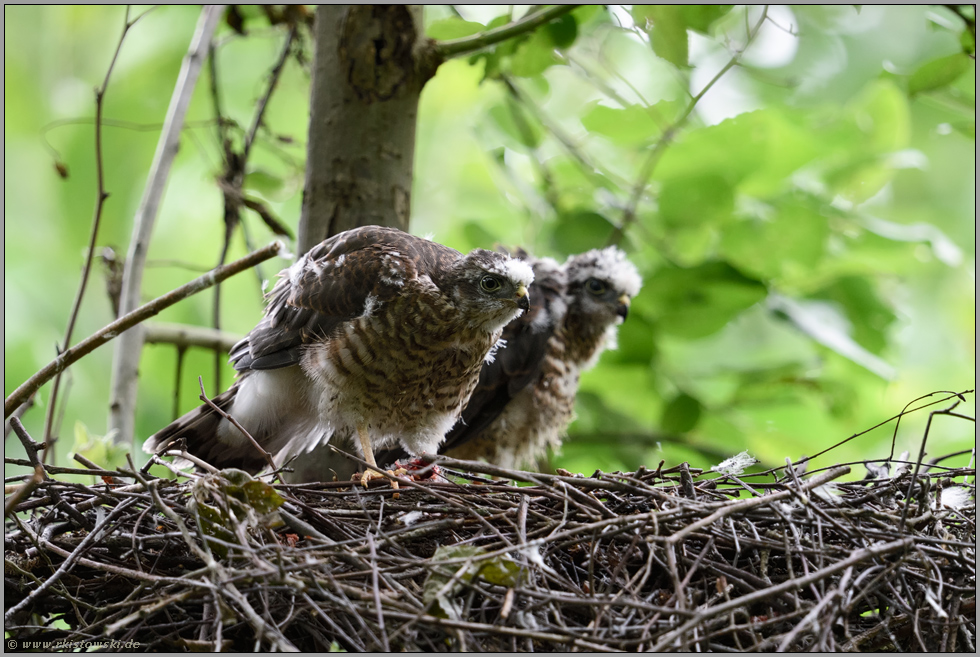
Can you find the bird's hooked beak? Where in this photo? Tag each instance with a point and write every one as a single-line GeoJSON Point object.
{"type": "Point", "coordinates": [623, 308]}
{"type": "Point", "coordinates": [523, 300]}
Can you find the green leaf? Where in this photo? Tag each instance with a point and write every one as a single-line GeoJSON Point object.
{"type": "Point", "coordinates": [688, 246]}
{"type": "Point", "coordinates": [938, 73]}
{"type": "Point", "coordinates": [882, 113]}
{"type": "Point", "coordinates": [691, 210]}
{"type": "Point", "coordinates": [233, 496]}
{"type": "Point", "coordinates": [633, 125]}
{"type": "Point", "coordinates": [667, 26]}
{"type": "Point", "coordinates": [787, 243]}
{"type": "Point", "coordinates": [101, 450]}
{"type": "Point", "coordinates": [968, 42]}
{"type": "Point", "coordinates": [580, 231]}
{"type": "Point", "coordinates": [453, 28]}
{"type": "Point", "coordinates": [562, 32]}
{"type": "Point", "coordinates": [262, 497]}
{"type": "Point", "coordinates": [500, 570]}
{"type": "Point", "coordinates": [525, 132]}
{"type": "Point", "coordinates": [628, 394]}
{"type": "Point", "coordinates": [823, 322]}
{"type": "Point", "coordinates": [534, 56]}
{"type": "Point", "coordinates": [495, 57]}
{"type": "Point", "coordinates": [790, 142]}
{"type": "Point", "coordinates": [700, 17]}
{"type": "Point", "coordinates": [695, 201]}
{"type": "Point", "coordinates": [590, 15]}
{"type": "Point", "coordinates": [681, 414]}
{"type": "Point", "coordinates": [264, 182]}
{"type": "Point", "coordinates": [870, 317]}
{"type": "Point", "coordinates": [697, 301]}
{"type": "Point", "coordinates": [755, 151]}
{"type": "Point", "coordinates": [215, 523]}
{"type": "Point", "coordinates": [576, 187]}
{"type": "Point", "coordinates": [732, 149]}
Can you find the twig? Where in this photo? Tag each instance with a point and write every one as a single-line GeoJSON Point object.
{"type": "Point", "coordinates": [19, 413]}
{"type": "Point", "coordinates": [898, 417]}
{"type": "Point", "coordinates": [10, 503]}
{"type": "Point", "coordinates": [789, 585]}
{"type": "Point", "coordinates": [646, 171]}
{"type": "Point", "coordinates": [126, 358]}
{"type": "Point", "coordinates": [66, 565]}
{"type": "Point", "coordinates": [735, 507]}
{"type": "Point", "coordinates": [32, 448]}
{"type": "Point", "coordinates": [537, 570]}
{"type": "Point", "coordinates": [184, 454]}
{"type": "Point", "coordinates": [109, 568]}
{"type": "Point", "coordinates": [186, 335]}
{"type": "Point", "coordinates": [214, 407]}
{"type": "Point", "coordinates": [588, 167]}
{"type": "Point", "coordinates": [922, 454]}
{"type": "Point", "coordinates": [144, 312]}
{"type": "Point", "coordinates": [264, 101]}
{"type": "Point", "coordinates": [470, 44]}
{"type": "Point", "coordinates": [231, 180]}
{"type": "Point", "coordinates": [101, 196]}
{"type": "Point", "coordinates": [148, 610]}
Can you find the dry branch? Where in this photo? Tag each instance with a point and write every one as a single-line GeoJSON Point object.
{"type": "Point", "coordinates": [126, 360]}
{"type": "Point", "coordinates": [471, 44]}
{"type": "Point", "coordinates": [144, 312]}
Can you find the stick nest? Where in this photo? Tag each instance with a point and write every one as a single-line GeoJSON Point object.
{"type": "Point", "coordinates": [672, 559]}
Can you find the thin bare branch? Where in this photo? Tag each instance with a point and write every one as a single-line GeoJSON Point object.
{"type": "Point", "coordinates": [471, 44]}
{"type": "Point", "coordinates": [653, 157]}
{"type": "Point", "coordinates": [266, 455]}
{"type": "Point", "coordinates": [126, 358]}
{"type": "Point", "coordinates": [101, 196]}
{"type": "Point", "coordinates": [141, 314]}
{"type": "Point", "coordinates": [186, 335]}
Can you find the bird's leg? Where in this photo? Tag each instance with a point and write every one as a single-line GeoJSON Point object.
{"type": "Point", "coordinates": [362, 435]}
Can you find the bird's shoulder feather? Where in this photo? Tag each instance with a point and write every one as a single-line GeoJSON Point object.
{"type": "Point", "coordinates": [346, 276]}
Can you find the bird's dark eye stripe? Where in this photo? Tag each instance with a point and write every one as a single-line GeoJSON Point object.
{"type": "Point", "coordinates": [490, 283]}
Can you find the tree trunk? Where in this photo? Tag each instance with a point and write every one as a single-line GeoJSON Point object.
{"type": "Point", "coordinates": [363, 108]}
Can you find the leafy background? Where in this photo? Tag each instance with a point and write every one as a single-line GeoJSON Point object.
{"type": "Point", "coordinates": [806, 235]}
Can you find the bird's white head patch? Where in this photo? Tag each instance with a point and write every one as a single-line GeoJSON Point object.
{"type": "Point", "coordinates": [513, 269]}
{"type": "Point", "coordinates": [609, 264]}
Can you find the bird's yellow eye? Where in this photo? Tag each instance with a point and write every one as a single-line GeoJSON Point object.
{"type": "Point", "coordinates": [595, 286]}
{"type": "Point", "coordinates": [490, 283]}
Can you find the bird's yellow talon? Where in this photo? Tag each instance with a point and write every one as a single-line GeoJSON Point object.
{"type": "Point", "coordinates": [371, 474]}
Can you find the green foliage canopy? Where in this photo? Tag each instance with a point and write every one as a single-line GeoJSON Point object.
{"type": "Point", "coordinates": [805, 229]}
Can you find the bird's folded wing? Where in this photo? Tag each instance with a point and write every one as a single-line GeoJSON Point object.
{"type": "Point", "coordinates": [338, 280]}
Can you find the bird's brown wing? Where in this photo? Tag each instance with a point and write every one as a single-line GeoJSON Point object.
{"type": "Point", "coordinates": [311, 300]}
{"type": "Point", "coordinates": [331, 285]}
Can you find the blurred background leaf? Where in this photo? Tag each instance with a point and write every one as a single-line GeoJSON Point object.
{"type": "Point", "coordinates": [806, 234]}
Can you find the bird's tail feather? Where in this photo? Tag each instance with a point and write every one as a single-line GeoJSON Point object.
{"type": "Point", "coordinates": [199, 430]}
